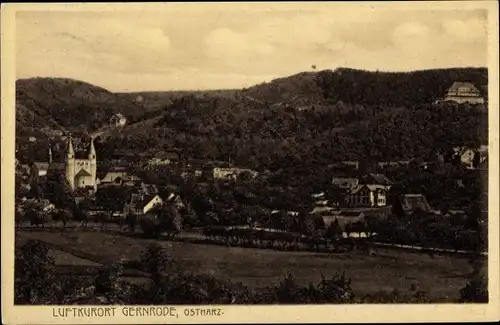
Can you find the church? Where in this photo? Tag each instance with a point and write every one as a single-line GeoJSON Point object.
{"type": "Point", "coordinates": [79, 170]}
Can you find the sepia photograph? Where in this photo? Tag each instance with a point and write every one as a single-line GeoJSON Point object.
{"type": "Point", "coordinates": [265, 154]}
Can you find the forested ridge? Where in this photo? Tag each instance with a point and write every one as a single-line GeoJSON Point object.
{"type": "Point", "coordinates": [64, 103]}
{"type": "Point", "coordinates": [309, 119]}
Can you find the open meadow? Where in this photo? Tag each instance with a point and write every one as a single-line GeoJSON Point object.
{"type": "Point", "coordinates": [440, 276]}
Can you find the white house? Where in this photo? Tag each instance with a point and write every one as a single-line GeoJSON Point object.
{"type": "Point", "coordinates": [231, 172]}
{"type": "Point", "coordinates": [142, 204]}
{"type": "Point", "coordinates": [464, 92]}
{"type": "Point", "coordinates": [118, 120]}
{"type": "Point", "coordinates": [467, 155]}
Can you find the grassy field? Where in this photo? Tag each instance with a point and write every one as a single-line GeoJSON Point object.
{"type": "Point", "coordinates": [441, 277]}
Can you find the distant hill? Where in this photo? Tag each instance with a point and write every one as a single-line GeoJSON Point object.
{"type": "Point", "coordinates": [68, 104]}
{"type": "Point", "coordinates": [299, 90]}
{"type": "Point", "coordinates": [305, 119]}
{"type": "Point", "coordinates": [152, 101]}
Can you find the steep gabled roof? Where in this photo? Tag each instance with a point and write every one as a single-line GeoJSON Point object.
{"type": "Point", "coordinates": [82, 173]}
{"type": "Point", "coordinates": [460, 84]}
{"type": "Point", "coordinates": [351, 214]}
{"type": "Point", "coordinates": [356, 189]}
{"type": "Point", "coordinates": [374, 187]}
{"type": "Point", "coordinates": [149, 188]}
{"type": "Point", "coordinates": [318, 210]}
{"type": "Point", "coordinates": [345, 181]}
{"type": "Point", "coordinates": [57, 167]}
{"type": "Point", "coordinates": [380, 179]}
{"type": "Point", "coordinates": [146, 199]}
{"type": "Point", "coordinates": [414, 201]}
{"type": "Point", "coordinates": [41, 165]}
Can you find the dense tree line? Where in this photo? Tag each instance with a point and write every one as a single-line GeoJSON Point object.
{"type": "Point", "coordinates": [395, 88]}
{"type": "Point", "coordinates": [272, 137]}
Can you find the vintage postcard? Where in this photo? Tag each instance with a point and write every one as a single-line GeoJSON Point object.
{"type": "Point", "coordinates": [250, 162]}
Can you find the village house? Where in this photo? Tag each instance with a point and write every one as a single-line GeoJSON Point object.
{"type": "Point", "coordinates": [231, 172]}
{"type": "Point", "coordinates": [118, 176]}
{"type": "Point", "coordinates": [343, 217]}
{"type": "Point", "coordinates": [117, 120]}
{"type": "Point", "coordinates": [149, 189]}
{"type": "Point", "coordinates": [290, 213]}
{"type": "Point", "coordinates": [377, 179]}
{"type": "Point", "coordinates": [321, 210]}
{"type": "Point", "coordinates": [345, 166]}
{"type": "Point", "coordinates": [472, 158]}
{"type": "Point", "coordinates": [463, 92]}
{"type": "Point", "coordinates": [408, 203]}
{"type": "Point", "coordinates": [400, 163]}
{"type": "Point", "coordinates": [175, 200]}
{"type": "Point", "coordinates": [94, 210]}
{"type": "Point", "coordinates": [456, 215]}
{"type": "Point", "coordinates": [345, 182]}
{"type": "Point", "coordinates": [140, 204]}
{"type": "Point", "coordinates": [163, 158]}
{"type": "Point", "coordinates": [366, 196]}
{"type": "Point", "coordinates": [369, 191]}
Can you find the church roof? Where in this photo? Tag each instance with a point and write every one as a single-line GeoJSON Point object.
{"type": "Point", "coordinates": [56, 167]}
{"type": "Point", "coordinates": [82, 173]}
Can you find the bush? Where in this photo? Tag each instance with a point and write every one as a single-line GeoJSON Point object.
{"type": "Point", "coordinates": [131, 222]}
{"type": "Point", "coordinates": [150, 226]}
{"type": "Point", "coordinates": [155, 259]}
{"type": "Point", "coordinates": [106, 283]}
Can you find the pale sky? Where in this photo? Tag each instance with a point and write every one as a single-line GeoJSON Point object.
{"type": "Point", "coordinates": [155, 50]}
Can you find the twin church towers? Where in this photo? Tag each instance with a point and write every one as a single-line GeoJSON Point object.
{"type": "Point", "coordinates": [79, 171]}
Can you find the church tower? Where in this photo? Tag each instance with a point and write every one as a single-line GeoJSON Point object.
{"type": "Point", "coordinates": [50, 154]}
{"type": "Point", "coordinates": [70, 164]}
{"type": "Point", "coordinates": [93, 163]}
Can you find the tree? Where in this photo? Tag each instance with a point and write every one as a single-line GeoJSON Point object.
{"type": "Point", "coordinates": [131, 220]}
{"type": "Point", "coordinates": [156, 261]}
{"type": "Point", "coordinates": [62, 215]}
{"type": "Point", "coordinates": [36, 215]}
{"type": "Point", "coordinates": [170, 220]}
{"type": "Point", "coordinates": [336, 290]}
{"type": "Point", "coordinates": [334, 231]}
{"type": "Point", "coordinates": [34, 274]}
{"type": "Point", "coordinates": [189, 216]}
{"type": "Point", "coordinates": [150, 226]}
{"type": "Point", "coordinates": [308, 227]}
{"type": "Point", "coordinates": [62, 192]}
{"type": "Point", "coordinates": [476, 291]}
{"type": "Point", "coordinates": [107, 281]}
{"type": "Point", "coordinates": [288, 291]}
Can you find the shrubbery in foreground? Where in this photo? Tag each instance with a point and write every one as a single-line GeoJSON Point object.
{"type": "Point", "coordinates": [37, 284]}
